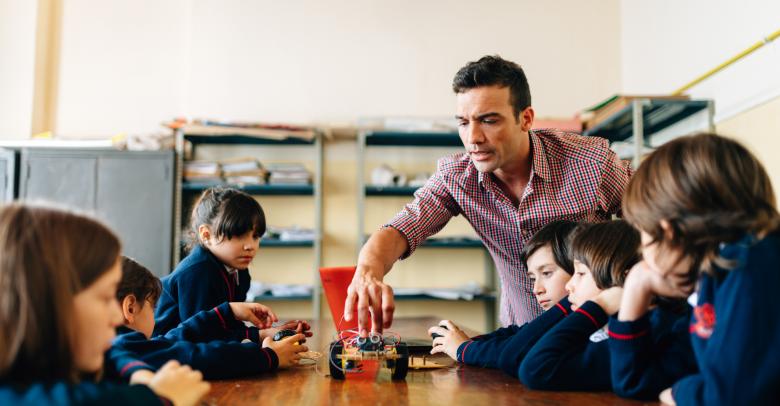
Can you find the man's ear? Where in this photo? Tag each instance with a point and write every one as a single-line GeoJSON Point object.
{"type": "Point", "coordinates": [204, 233]}
{"type": "Point", "coordinates": [526, 118]}
{"type": "Point", "coordinates": [129, 308]}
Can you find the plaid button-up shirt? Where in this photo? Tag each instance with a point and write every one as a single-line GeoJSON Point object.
{"type": "Point", "coordinates": [572, 177]}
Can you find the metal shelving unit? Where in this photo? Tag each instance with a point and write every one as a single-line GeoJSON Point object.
{"type": "Point", "coordinates": [314, 190]}
{"type": "Point", "coordinates": [370, 139]}
{"type": "Point", "coordinates": [647, 116]}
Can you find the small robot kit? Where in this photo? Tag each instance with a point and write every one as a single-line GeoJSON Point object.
{"type": "Point", "coordinates": [354, 354]}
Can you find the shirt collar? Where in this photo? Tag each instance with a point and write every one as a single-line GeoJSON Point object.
{"type": "Point", "coordinates": [539, 167]}
{"type": "Point", "coordinates": [230, 271]}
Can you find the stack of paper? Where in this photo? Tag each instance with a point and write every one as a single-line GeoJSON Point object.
{"type": "Point", "coordinates": [288, 174]}
{"type": "Point", "coordinates": [202, 171]}
{"type": "Point", "coordinates": [244, 171]}
{"type": "Point", "coordinates": [257, 289]}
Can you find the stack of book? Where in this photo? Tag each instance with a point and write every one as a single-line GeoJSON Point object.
{"type": "Point", "coordinates": [288, 174]}
{"type": "Point", "coordinates": [244, 171]}
{"type": "Point", "coordinates": [202, 172]}
{"type": "Point", "coordinates": [597, 114]}
{"type": "Point", "coordinates": [230, 128]}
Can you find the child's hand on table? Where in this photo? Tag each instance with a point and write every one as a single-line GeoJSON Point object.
{"type": "Point", "coordinates": [287, 349]}
{"type": "Point", "coordinates": [451, 337]}
{"type": "Point", "coordinates": [180, 384]}
{"type": "Point", "coordinates": [299, 326]}
{"type": "Point", "coordinates": [260, 316]}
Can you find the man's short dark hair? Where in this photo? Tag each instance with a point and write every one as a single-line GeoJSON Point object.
{"type": "Point", "coordinates": [139, 281]}
{"type": "Point", "coordinates": [492, 70]}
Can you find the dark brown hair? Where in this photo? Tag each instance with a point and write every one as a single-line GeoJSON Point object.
{"type": "Point", "coordinates": [139, 281]}
{"type": "Point", "coordinates": [47, 256]}
{"type": "Point", "coordinates": [555, 234]}
{"type": "Point", "coordinates": [228, 212]}
{"type": "Point", "coordinates": [492, 70]}
{"type": "Point", "coordinates": [608, 249]}
{"type": "Point", "coordinates": [710, 189]}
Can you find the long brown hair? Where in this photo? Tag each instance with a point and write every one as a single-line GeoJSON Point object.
{"type": "Point", "coordinates": [710, 189]}
{"type": "Point", "coordinates": [47, 256]}
{"type": "Point", "coordinates": [609, 249]}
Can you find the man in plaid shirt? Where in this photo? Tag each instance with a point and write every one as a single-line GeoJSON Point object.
{"type": "Point", "coordinates": [509, 183]}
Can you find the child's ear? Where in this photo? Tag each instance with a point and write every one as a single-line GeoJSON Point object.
{"type": "Point", "coordinates": [204, 233]}
{"type": "Point", "coordinates": [668, 230]}
{"type": "Point", "coordinates": [129, 309]}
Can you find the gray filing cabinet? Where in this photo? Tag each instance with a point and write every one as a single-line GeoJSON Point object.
{"type": "Point", "coordinates": [8, 170]}
{"type": "Point", "coordinates": [131, 191]}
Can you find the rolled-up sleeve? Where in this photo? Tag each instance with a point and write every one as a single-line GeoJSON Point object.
{"type": "Point", "coordinates": [432, 208]}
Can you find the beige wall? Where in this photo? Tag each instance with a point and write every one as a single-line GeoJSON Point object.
{"type": "Point", "coordinates": [127, 65]}
{"type": "Point", "coordinates": [759, 129]}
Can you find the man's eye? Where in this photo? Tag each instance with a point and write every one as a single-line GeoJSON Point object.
{"type": "Point", "coordinates": [546, 274]}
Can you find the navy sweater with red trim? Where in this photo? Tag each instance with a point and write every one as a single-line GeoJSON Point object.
{"type": "Point", "coordinates": [566, 359]}
{"type": "Point", "coordinates": [117, 367]}
{"type": "Point", "coordinates": [202, 342]}
{"type": "Point", "coordinates": [119, 364]}
{"type": "Point", "coordinates": [60, 393]}
{"type": "Point", "coordinates": [735, 329]}
{"type": "Point", "coordinates": [200, 282]}
{"type": "Point", "coordinates": [651, 353]}
{"type": "Point", "coordinates": [506, 347]}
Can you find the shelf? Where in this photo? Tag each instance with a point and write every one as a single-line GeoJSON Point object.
{"type": "Point", "coordinates": [486, 297]}
{"type": "Point", "coordinates": [276, 243]}
{"type": "Point", "coordinates": [279, 190]}
{"type": "Point", "coordinates": [413, 139]}
{"type": "Point", "coordinates": [390, 190]}
{"type": "Point", "coordinates": [244, 140]}
{"type": "Point", "coordinates": [656, 115]}
{"type": "Point", "coordinates": [272, 298]}
{"type": "Point", "coordinates": [448, 242]}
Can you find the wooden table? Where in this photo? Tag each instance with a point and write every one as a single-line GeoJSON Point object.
{"type": "Point", "coordinates": [458, 384]}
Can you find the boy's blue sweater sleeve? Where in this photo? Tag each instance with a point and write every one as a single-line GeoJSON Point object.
{"type": "Point", "coordinates": [120, 364]}
{"type": "Point", "coordinates": [79, 394]}
{"type": "Point", "coordinates": [506, 347]}
{"type": "Point", "coordinates": [741, 361]}
{"type": "Point", "coordinates": [215, 359]}
{"type": "Point", "coordinates": [644, 362]}
{"type": "Point", "coordinates": [218, 323]}
{"type": "Point", "coordinates": [566, 359]}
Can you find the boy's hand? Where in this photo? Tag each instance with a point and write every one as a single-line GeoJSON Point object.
{"type": "Point", "coordinates": [259, 315]}
{"type": "Point", "coordinates": [675, 284]}
{"type": "Point", "coordinates": [666, 397]}
{"type": "Point", "coordinates": [609, 299]}
{"type": "Point", "coordinates": [141, 376]}
{"type": "Point", "coordinates": [300, 326]}
{"type": "Point", "coordinates": [287, 349]}
{"type": "Point", "coordinates": [179, 384]}
{"type": "Point", "coordinates": [451, 338]}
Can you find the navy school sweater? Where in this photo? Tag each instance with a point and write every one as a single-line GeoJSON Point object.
{"type": "Point", "coordinates": [61, 393]}
{"type": "Point", "coordinates": [651, 353]}
{"type": "Point", "coordinates": [200, 282]}
{"type": "Point", "coordinates": [200, 342]}
{"type": "Point", "coordinates": [506, 347]}
{"type": "Point", "coordinates": [735, 329]}
{"type": "Point", "coordinates": [118, 366]}
{"type": "Point", "coordinates": [566, 358]}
